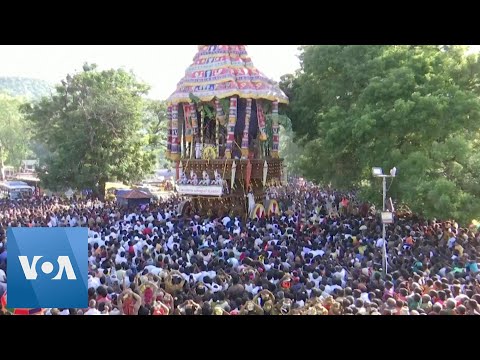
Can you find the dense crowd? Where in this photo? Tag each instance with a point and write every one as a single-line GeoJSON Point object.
{"type": "Point", "coordinates": [321, 256]}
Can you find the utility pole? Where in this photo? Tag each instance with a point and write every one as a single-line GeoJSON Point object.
{"type": "Point", "coordinates": [378, 172]}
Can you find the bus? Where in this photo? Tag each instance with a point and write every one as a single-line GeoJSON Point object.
{"type": "Point", "coordinates": [14, 190]}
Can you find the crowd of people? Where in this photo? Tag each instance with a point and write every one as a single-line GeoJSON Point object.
{"type": "Point", "coordinates": [321, 256]}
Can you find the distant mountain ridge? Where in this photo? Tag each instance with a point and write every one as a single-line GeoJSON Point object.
{"type": "Point", "coordinates": [30, 88]}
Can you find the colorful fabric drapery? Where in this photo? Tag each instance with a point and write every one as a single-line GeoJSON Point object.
{"type": "Point", "coordinates": [175, 152]}
{"type": "Point", "coordinates": [188, 123]}
{"type": "Point", "coordinates": [221, 71]}
{"type": "Point", "coordinates": [232, 119]}
{"type": "Point", "coordinates": [245, 142]}
{"type": "Point", "coordinates": [262, 127]}
{"type": "Point", "coordinates": [169, 129]}
{"type": "Point", "coordinates": [275, 130]}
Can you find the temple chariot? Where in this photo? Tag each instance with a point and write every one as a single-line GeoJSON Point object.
{"type": "Point", "coordinates": [223, 135]}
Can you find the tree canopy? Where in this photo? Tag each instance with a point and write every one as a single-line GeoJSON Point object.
{"type": "Point", "coordinates": [154, 124]}
{"type": "Point", "coordinates": [413, 107]}
{"type": "Point", "coordinates": [14, 132]}
{"type": "Point", "coordinates": [92, 127]}
{"type": "Point", "coordinates": [30, 88]}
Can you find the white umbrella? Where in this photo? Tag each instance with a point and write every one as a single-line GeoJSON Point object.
{"type": "Point", "coordinates": [363, 227]}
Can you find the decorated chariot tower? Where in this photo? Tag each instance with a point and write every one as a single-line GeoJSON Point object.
{"type": "Point", "coordinates": [223, 134]}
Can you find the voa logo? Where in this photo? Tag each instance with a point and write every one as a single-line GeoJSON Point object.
{"type": "Point", "coordinates": [47, 267]}
{"type": "Point", "coordinates": [30, 268]}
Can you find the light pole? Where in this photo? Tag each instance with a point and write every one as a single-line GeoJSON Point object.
{"type": "Point", "coordinates": [387, 217]}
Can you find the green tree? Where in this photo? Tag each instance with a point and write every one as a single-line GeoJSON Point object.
{"type": "Point", "coordinates": [413, 107]}
{"type": "Point", "coordinates": [26, 87]}
{"type": "Point", "coordinates": [14, 132]}
{"type": "Point", "coordinates": [92, 128]}
{"type": "Point", "coordinates": [154, 123]}
{"type": "Point", "coordinates": [290, 151]}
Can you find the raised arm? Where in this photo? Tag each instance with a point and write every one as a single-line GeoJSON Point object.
{"type": "Point", "coordinates": [138, 301]}
{"type": "Point", "coordinates": [165, 307]}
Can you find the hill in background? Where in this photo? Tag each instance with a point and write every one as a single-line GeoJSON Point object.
{"type": "Point", "coordinates": [30, 88]}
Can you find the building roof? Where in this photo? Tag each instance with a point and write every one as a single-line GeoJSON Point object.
{"type": "Point", "coordinates": [134, 194]}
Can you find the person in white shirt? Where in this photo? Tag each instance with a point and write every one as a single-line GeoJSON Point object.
{"type": "Point", "coordinates": [253, 288]}
{"type": "Point", "coordinates": [93, 282]}
{"type": "Point", "coordinates": [139, 245]}
{"type": "Point", "coordinates": [113, 235]}
{"type": "Point", "coordinates": [115, 311]}
{"type": "Point", "coordinates": [451, 242]}
{"type": "Point", "coordinates": [340, 274]}
{"type": "Point", "coordinates": [206, 255]}
{"type": "Point", "coordinates": [233, 261]}
{"type": "Point", "coordinates": [120, 258]}
{"type": "Point", "coordinates": [138, 227]}
{"type": "Point", "coordinates": [131, 216]}
{"type": "Point", "coordinates": [73, 221]}
{"type": "Point", "coordinates": [160, 217]}
{"type": "Point", "coordinates": [92, 259]}
{"type": "Point", "coordinates": [316, 278]}
{"type": "Point", "coordinates": [214, 287]}
{"type": "Point", "coordinates": [379, 243]}
{"type": "Point", "coordinates": [226, 220]}
{"type": "Point", "coordinates": [3, 282]}
{"type": "Point", "coordinates": [92, 233]}
{"type": "Point", "coordinates": [92, 308]}
{"type": "Point", "coordinates": [155, 270]}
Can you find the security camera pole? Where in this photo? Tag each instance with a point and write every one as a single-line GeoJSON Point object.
{"type": "Point", "coordinates": [387, 217]}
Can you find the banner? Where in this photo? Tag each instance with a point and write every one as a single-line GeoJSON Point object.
{"type": "Point", "coordinates": [210, 190]}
